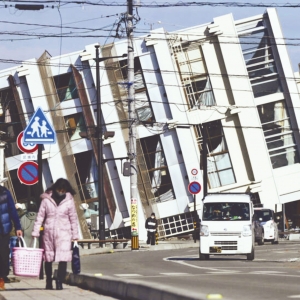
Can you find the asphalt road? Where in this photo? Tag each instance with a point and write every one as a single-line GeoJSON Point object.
{"type": "Point", "coordinates": [274, 274]}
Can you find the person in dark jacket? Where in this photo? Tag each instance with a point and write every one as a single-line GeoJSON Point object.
{"type": "Point", "coordinates": [151, 226]}
{"type": "Point", "coordinates": [8, 214]}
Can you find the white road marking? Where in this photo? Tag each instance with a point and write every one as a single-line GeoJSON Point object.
{"type": "Point", "coordinates": [294, 296]}
{"type": "Point", "coordinates": [128, 275]}
{"type": "Point", "coordinates": [186, 264]}
{"type": "Point", "coordinates": [174, 274]}
{"type": "Point", "coordinates": [224, 272]}
{"type": "Point", "coordinates": [192, 266]}
{"type": "Point", "coordinates": [267, 272]}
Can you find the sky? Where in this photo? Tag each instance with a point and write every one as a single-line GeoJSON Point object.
{"type": "Point", "coordinates": [68, 27]}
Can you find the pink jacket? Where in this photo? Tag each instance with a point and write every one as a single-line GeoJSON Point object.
{"type": "Point", "coordinates": [60, 227]}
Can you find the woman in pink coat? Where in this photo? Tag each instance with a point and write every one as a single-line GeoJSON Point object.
{"type": "Point", "coordinates": [57, 214]}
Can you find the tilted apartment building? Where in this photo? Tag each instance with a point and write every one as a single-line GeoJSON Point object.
{"type": "Point", "coordinates": [231, 80]}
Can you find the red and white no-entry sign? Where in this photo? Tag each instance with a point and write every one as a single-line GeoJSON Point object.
{"type": "Point", "coordinates": [25, 147]}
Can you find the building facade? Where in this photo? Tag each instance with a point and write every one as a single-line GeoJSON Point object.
{"type": "Point", "coordinates": [226, 87]}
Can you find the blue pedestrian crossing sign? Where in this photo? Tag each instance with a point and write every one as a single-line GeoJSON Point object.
{"type": "Point", "coordinates": [39, 130]}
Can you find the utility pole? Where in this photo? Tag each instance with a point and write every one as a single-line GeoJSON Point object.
{"type": "Point", "coordinates": [100, 135]}
{"type": "Point", "coordinates": [99, 131]}
{"type": "Point", "coordinates": [204, 159]}
{"type": "Point", "coordinates": [132, 131]}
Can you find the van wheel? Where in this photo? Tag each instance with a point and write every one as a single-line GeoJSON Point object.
{"type": "Point", "coordinates": [203, 256]}
{"type": "Point", "coordinates": [274, 242]}
{"type": "Point", "coordinates": [250, 256]}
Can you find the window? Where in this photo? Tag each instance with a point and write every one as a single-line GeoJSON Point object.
{"type": "Point", "coordinates": [161, 185]}
{"type": "Point", "coordinates": [231, 211]}
{"type": "Point", "coordinates": [278, 134]}
{"type": "Point", "coordinates": [65, 86]}
{"type": "Point", "coordinates": [142, 104]}
{"type": "Point", "coordinates": [75, 124]}
{"type": "Point", "coordinates": [260, 63]}
{"type": "Point", "coordinates": [219, 167]}
{"type": "Point", "coordinates": [10, 122]}
{"type": "Point", "coordinates": [193, 73]}
{"type": "Point", "coordinates": [87, 180]}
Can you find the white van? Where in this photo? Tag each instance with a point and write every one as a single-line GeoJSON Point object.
{"type": "Point", "coordinates": [266, 218]}
{"type": "Point", "coordinates": [226, 226]}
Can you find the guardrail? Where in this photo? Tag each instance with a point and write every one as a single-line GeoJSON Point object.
{"type": "Point", "coordinates": [114, 242]}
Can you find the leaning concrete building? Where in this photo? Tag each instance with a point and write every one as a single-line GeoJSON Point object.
{"type": "Point", "coordinates": [230, 81]}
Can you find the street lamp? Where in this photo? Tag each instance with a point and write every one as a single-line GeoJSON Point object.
{"type": "Point", "coordinates": [99, 135]}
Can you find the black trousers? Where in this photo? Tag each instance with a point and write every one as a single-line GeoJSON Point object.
{"type": "Point", "coordinates": [61, 272]}
{"type": "Point", "coordinates": [151, 238]}
{"type": "Point", "coordinates": [4, 255]}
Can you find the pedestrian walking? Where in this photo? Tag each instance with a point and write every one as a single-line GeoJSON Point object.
{"type": "Point", "coordinates": [8, 215]}
{"type": "Point", "coordinates": [151, 226]}
{"type": "Point", "coordinates": [57, 214]}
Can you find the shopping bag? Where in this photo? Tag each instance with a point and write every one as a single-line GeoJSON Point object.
{"type": "Point", "coordinates": [27, 261]}
{"type": "Point", "coordinates": [75, 259]}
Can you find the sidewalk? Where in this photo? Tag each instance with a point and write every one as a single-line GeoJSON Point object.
{"type": "Point", "coordinates": [34, 288]}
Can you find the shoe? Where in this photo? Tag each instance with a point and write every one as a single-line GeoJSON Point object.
{"type": "Point", "coordinates": [49, 285]}
{"type": "Point", "coordinates": [6, 280]}
{"type": "Point", "coordinates": [58, 285]}
{"type": "Point", "coordinates": [2, 284]}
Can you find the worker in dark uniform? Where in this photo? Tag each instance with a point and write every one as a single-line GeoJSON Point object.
{"type": "Point", "coordinates": [151, 226]}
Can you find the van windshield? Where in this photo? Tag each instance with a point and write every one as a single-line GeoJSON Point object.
{"type": "Point", "coordinates": [220, 211]}
{"type": "Point", "coordinates": [264, 215]}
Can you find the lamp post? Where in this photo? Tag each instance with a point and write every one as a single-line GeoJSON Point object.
{"type": "Point", "coordinates": [99, 135]}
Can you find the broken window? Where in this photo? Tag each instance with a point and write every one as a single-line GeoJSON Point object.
{"type": "Point", "coordinates": [88, 180]}
{"type": "Point", "coordinates": [161, 185]}
{"type": "Point", "coordinates": [260, 63]}
{"type": "Point", "coordinates": [10, 122]}
{"type": "Point", "coordinates": [219, 167]}
{"type": "Point", "coordinates": [75, 124]}
{"type": "Point", "coordinates": [65, 86]}
{"type": "Point", "coordinates": [193, 73]}
{"type": "Point", "coordinates": [278, 134]}
{"type": "Point", "coordinates": [142, 104]}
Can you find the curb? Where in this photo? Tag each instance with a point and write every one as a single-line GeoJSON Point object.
{"type": "Point", "coordinates": [143, 247]}
{"type": "Point", "coordinates": [130, 290]}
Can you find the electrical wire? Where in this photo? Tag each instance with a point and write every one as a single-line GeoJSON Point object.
{"type": "Point", "coordinates": [156, 4]}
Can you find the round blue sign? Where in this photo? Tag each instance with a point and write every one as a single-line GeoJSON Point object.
{"type": "Point", "coordinates": [194, 187]}
{"type": "Point", "coordinates": [28, 173]}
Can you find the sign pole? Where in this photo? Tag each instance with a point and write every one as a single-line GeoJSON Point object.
{"type": "Point", "coordinates": [40, 171]}
{"type": "Point", "coordinates": [40, 191]}
{"type": "Point", "coordinates": [195, 221]}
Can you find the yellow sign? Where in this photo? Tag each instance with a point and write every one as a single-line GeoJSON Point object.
{"type": "Point", "coordinates": [134, 220]}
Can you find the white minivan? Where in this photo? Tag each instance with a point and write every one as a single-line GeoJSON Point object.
{"type": "Point", "coordinates": [266, 218]}
{"type": "Point", "coordinates": [227, 226]}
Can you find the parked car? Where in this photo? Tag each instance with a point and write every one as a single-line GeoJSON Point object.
{"type": "Point", "coordinates": [258, 231]}
{"type": "Point", "coordinates": [266, 218]}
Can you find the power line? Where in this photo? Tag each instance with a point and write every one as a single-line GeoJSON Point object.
{"type": "Point", "coordinates": [169, 4]}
